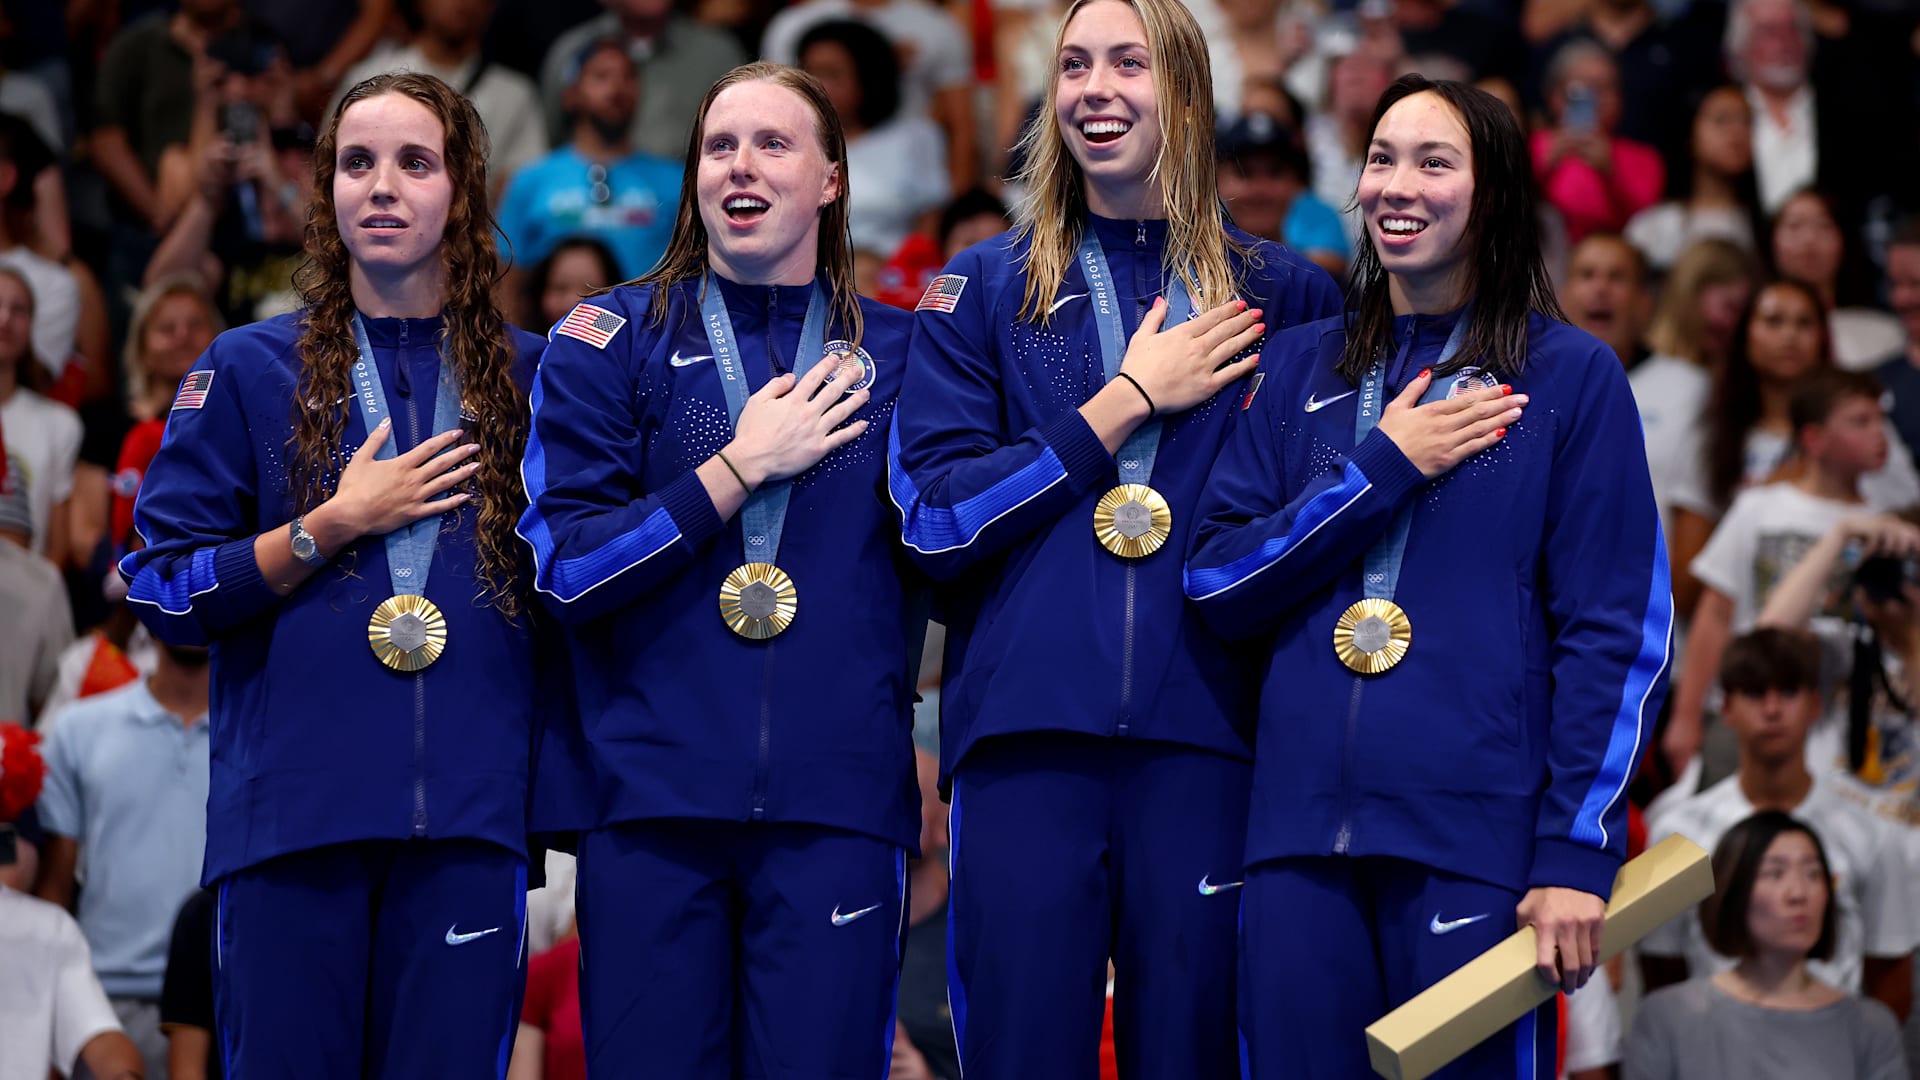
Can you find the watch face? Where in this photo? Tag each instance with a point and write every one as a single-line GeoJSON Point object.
{"type": "Point", "coordinates": [303, 546]}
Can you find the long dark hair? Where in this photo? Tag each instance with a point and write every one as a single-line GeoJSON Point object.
{"type": "Point", "coordinates": [1505, 276]}
{"type": "Point", "coordinates": [475, 336]}
{"type": "Point", "coordinates": [686, 255]}
{"type": "Point", "coordinates": [875, 65]}
{"type": "Point", "coordinates": [1735, 407]}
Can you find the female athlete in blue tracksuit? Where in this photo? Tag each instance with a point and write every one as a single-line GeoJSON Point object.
{"type": "Point", "coordinates": [1436, 517]}
{"type": "Point", "coordinates": [1058, 421]}
{"type": "Point", "coordinates": [707, 516]}
{"type": "Point", "coordinates": [373, 685]}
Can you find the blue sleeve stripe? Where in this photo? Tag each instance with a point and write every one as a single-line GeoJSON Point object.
{"type": "Point", "coordinates": [1623, 744]}
{"type": "Point", "coordinates": [174, 593]}
{"type": "Point", "coordinates": [932, 530]}
{"type": "Point", "coordinates": [1204, 583]}
{"type": "Point", "coordinates": [570, 579]}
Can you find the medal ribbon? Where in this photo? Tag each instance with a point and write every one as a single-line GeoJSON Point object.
{"type": "Point", "coordinates": [1137, 453]}
{"type": "Point", "coordinates": [765, 514]}
{"type": "Point", "coordinates": [1382, 574]}
{"type": "Point", "coordinates": [409, 547]}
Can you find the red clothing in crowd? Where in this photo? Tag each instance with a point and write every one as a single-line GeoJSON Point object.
{"type": "Point", "coordinates": [553, 1006]}
{"type": "Point", "coordinates": [1593, 201]}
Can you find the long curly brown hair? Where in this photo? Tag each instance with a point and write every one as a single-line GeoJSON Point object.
{"type": "Point", "coordinates": [475, 338]}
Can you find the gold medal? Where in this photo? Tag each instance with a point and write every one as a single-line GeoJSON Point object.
{"type": "Point", "coordinates": [758, 601]}
{"type": "Point", "coordinates": [407, 632]}
{"type": "Point", "coordinates": [1132, 521]}
{"type": "Point", "coordinates": [1372, 636]}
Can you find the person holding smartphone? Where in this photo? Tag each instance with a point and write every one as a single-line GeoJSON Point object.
{"type": "Point", "coordinates": [1596, 179]}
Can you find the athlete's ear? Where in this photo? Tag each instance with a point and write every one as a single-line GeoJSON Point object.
{"type": "Point", "coordinates": [832, 189]}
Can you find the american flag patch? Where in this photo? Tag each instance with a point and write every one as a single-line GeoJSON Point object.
{"type": "Point", "coordinates": [942, 293]}
{"type": "Point", "coordinates": [193, 389]}
{"type": "Point", "coordinates": [1253, 387]}
{"type": "Point", "coordinates": [593, 325]}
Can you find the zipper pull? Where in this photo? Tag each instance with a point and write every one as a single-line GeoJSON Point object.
{"type": "Point", "coordinates": [403, 332]}
{"type": "Point", "coordinates": [1140, 232]}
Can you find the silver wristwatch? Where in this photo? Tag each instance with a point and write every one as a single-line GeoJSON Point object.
{"type": "Point", "coordinates": [305, 547]}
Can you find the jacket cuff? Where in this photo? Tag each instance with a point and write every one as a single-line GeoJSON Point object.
{"type": "Point", "coordinates": [1080, 451]}
{"type": "Point", "coordinates": [1565, 864]}
{"type": "Point", "coordinates": [1386, 468]}
{"type": "Point", "coordinates": [240, 593]}
{"type": "Point", "coordinates": [691, 508]}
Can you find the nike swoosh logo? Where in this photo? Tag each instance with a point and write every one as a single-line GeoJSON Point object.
{"type": "Point", "coordinates": [462, 939]}
{"type": "Point", "coordinates": [1057, 303]}
{"type": "Point", "coordinates": [1316, 404]}
{"type": "Point", "coordinates": [842, 920]}
{"type": "Point", "coordinates": [1207, 888]}
{"type": "Point", "coordinates": [686, 361]}
{"type": "Point", "coordinates": [1439, 927]}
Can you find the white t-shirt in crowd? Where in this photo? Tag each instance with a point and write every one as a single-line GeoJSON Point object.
{"type": "Point", "coordinates": [1594, 1037]}
{"type": "Point", "coordinates": [1664, 230]}
{"type": "Point", "coordinates": [43, 437]}
{"type": "Point", "coordinates": [1767, 531]}
{"type": "Point", "coordinates": [935, 52]}
{"type": "Point", "coordinates": [1786, 156]}
{"type": "Point", "coordinates": [1672, 396]}
{"type": "Point", "coordinates": [56, 305]}
{"type": "Point", "coordinates": [896, 172]}
{"type": "Point", "coordinates": [1893, 486]}
{"type": "Point", "coordinates": [1863, 338]}
{"type": "Point", "coordinates": [506, 100]}
{"type": "Point", "coordinates": [51, 1005]}
{"type": "Point", "coordinates": [1873, 884]}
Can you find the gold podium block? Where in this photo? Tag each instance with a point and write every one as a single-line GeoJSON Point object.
{"type": "Point", "coordinates": [1500, 985]}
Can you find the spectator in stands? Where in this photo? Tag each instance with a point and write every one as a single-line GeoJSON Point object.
{"type": "Point", "coordinates": [1607, 295]}
{"type": "Point", "coordinates": [41, 434]}
{"type": "Point", "coordinates": [241, 184]}
{"type": "Point", "coordinates": [1780, 910]}
{"type": "Point", "coordinates": [1900, 370]}
{"type": "Point", "coordinates": [1594, 177]}
{"type": "Point", "coordinates": [53, 1013]}
{"type": "Point", "coordinates": [1262, 42]}
{"type": "Point", "coordinates": [1481, 44]}
{"type": "Point", "coordinates": [1710, 192]}
{"type": "Point", "coordinates": [1771, 681]}
{"type": "Point", "coordinates": [896, 164]}
{"type": "Point", "coordinates": [549, 1044]}
{"type": "Point", "coordinates": [597, 185]}
{"type": "Point", "coordinates": [127, 785]}
{"type": "Point", "coordinates": [37, 625]}
{"type": "Point", "coordinates": [577, 266]}
{"type": "Point", "coordinates": [324, 38]}
{"type": "Point", "coordinates": [145, 101]}
{"type": "Point", "coordinates": [1839, 437]}
{"type": "Point", "coordinates": [1699, 309]}
{"type": "Point", "coordinates": [1829, 132]}
{"type": "Point", "coordinates": [1632, 33]}
{"type": "Point", "coordinates": [972, 216]}
{"type": "Point", "coordinates": [678, 59]}
{"type": "Point", "coordinates": [936, 65]}
{"type": "Point", "coordinates": [186, 995]}
{"type": "Point", "coordinates": [1337, 136]}
{"type": "Point", "coordinates": [63, 291]}
{"type": "Point", "coordinates": [1807, 243]}
{"type": "Point", "coordinates": [1263, 178]}
{"type": "Point", "coordinates": [446, 43]}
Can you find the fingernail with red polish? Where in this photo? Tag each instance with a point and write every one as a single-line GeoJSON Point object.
{"type": "Point", "coordinates": [1424, 372]}
{"type": "Point", "coordinates": [1505, 389]}
{"type": "Point", "coordinates": [1499, 433]}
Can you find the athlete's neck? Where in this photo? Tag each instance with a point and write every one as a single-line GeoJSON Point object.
{"type": "Point", "coordinates": [1776, 785]}
{"type": "Point", "coordinates": [1425, 296]}
{"type": "Point", "coordinates": [793, 267]}
{"type": "Point", "coordinates": [1139, 200]}
{"type": "Point", "coordinates": [416, 295]}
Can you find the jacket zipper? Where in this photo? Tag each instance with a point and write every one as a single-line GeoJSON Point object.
{"type": "Point", "coordinates": [403, 361]}
{"type": "Point", "coordinates": [763, 761]}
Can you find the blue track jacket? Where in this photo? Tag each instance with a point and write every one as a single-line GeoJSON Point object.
{"type": "Point", "coordinates": [680, 716]}
{"type": "Point", "coordinates": [1535, 578]}
{"type": "Point", "coordinates": [995, 474]}
{"type": "Point", "coordinates": [314, 741]}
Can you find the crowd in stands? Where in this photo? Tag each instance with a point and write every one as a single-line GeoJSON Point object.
{"type": "Point", "coordinates": [1729, 203]}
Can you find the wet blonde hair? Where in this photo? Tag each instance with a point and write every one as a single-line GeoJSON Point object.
{"type": "Point", "coordinates": [1052, 215]}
